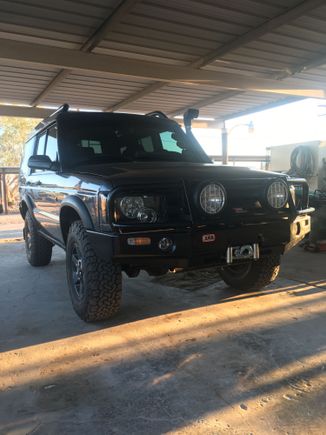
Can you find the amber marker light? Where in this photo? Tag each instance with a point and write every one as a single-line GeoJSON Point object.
{"type": "Point", "coordinates": [139, 241]}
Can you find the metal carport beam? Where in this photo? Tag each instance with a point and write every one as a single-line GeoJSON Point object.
{"type": "Point", "coordinates": [265, 106]}
{"type": "Point", "coordinates": [42, 112]}
{"type": "Point", "coordinates": [229, 94]}
{"type": "Point", "coordinates": [108, 25]}
{"type": "Point", "coordinates": [267, 27]}
{"type": "Point", "coordinates": [100, 33]}
{"type": "Point", "coordinates": [206, 102]}
{"type": "Point", "coordinates": [140, 94]}
{"type": "Point", "coordinates": [35, 54]}
{"type": "Point", "coordinates": [25, 111]}
{"type": "Point", "coordinates": [239, 41]}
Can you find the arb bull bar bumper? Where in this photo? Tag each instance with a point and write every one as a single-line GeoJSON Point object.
{"type": "Point", "coordinates": [208, 244]}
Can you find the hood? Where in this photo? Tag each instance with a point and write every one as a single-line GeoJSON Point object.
{"type": "Point", "coordinates": [119, 174]}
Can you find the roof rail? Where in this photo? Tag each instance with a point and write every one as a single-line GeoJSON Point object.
{"type": "Point", "coordinates": [157, 114]}
{"type": "Point", "coordinates": [52, 117]}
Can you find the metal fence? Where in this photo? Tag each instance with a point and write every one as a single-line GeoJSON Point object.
{"type": "Point", "coordinates": [8, 189]}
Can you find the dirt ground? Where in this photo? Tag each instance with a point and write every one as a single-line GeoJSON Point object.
{"type": "Point", "coordinates": [183, 356]}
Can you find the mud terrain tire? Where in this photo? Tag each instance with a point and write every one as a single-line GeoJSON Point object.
{"type": "Point", "coordinates": [95, 285]}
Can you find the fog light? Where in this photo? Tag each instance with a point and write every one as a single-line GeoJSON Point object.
{"type": "Point", "coordinates": [138, 241]}
{"type": "Point", "coordinates": [165, 244]}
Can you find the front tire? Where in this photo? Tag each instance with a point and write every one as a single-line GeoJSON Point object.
{"type": "Point", "coordinates": [38, 249]}
{"type": "Point", "coordinates": [252, 276]}
{"type": "Point", "coordinates": [95, 285]}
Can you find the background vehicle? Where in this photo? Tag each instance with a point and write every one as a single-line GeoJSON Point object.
{"type": "Point", "coordinates": [124, 192]}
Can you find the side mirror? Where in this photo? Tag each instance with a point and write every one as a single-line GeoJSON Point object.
{"type": "Point", "coordinates": [42, 162]}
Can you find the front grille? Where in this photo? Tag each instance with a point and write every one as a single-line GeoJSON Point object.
{"type": "Point", "coordinates": [176, 205]}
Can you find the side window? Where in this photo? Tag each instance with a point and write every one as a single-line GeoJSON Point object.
{"type": "Point", "coordinates": [147, 144]}
{"type": "Point", "coordinates": [169, 143]}
{"type": "Point", "coordinates": [40, 149]}
{"type": "Point", "coordinates": [94, 144]}
{"type": "Point", "coordinates": [41, 144]}
{"type": "Point", "coordinates": [52, 144]}
{"type": "Point", "coordinates": [28, 152]}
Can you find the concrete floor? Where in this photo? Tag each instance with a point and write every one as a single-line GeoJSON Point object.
{"type": "Point", "coordinates": [11, 226]}
{"type": "Point", "coordinates": [183, 355]}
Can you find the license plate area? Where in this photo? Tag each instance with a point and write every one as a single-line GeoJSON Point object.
{"type": "Point", "coordinates": [244, 252]}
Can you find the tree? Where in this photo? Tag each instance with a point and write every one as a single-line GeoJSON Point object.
{"type": "Point", "coordinates": [13, 134]}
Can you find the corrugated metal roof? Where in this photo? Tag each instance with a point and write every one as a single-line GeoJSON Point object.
{"type": "Point", "coordinates": [210, 25]}
{"type": "Point", "coordinates": [93, 91]}
{"type": "Point", "coordinates": [20, 84]}
{"type": "Point", "coordinates": [270, 39]}
{"type": "Point", "coordinates": [64, 23]}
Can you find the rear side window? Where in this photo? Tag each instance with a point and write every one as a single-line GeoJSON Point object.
{"type": "Point", "coordinates": [28, 152]}
{"type": "Point", "coordinates": [41, 144]}
{"type": "Point", "coordinates": [47, 144]}
{"type": "Point", "coordinates": [51, 149]}
{"type": "Point", "coordinates": [40, 150]}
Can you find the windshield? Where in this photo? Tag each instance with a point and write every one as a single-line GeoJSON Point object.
{"type": "Point", "coordinates": [108, 138]}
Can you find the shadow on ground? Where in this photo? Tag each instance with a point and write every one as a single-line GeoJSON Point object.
{"type": "Point", "coordinates": [202, 361]}
{"type": "Point", "coordinates": [38, 308]}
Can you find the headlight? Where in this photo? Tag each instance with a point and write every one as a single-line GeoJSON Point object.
{"type": "Point", "coordinates": [278, 194]}
{"type": "Point", "coordinates": [212, 198]}
{"type": "Point", "coordinates": [131, 206]}
{"type": "Point", "coordinates": [138, 208]}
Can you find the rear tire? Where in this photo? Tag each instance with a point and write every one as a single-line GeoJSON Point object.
{"type": "Point", "coordinates": [38, 249]}
{"type": "Point", "coordinates": [95, 285]}
{"type": "Point", "coordinates": [252, 276]}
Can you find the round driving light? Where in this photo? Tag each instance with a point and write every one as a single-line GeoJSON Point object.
{"type": "Point", "coordinates": [277, 194]}
{"type": "Point", "coordinates": [212, 198]}
{"type": "Point", "coordinates": [131, 206]}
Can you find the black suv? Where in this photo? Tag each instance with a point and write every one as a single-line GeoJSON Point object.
{"type": "Point", "coordinates": [122, 192]}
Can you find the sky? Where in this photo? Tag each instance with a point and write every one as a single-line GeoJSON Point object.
{"type": "Point", "coordinates": [297, 122]}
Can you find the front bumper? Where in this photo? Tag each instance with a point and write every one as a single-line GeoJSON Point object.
{"type": "Point", "coordinates": [201, 246]}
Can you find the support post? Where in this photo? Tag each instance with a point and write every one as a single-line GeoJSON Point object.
{"type": "Point", "coordinates": [225, 156]}
{"type": "Point", "coordinates": [4, 192]}
{"type": "Point", "coordinates": [1, 200]}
